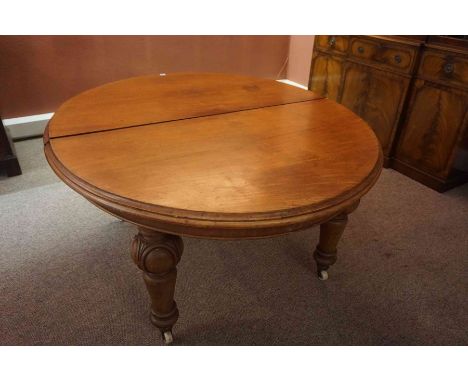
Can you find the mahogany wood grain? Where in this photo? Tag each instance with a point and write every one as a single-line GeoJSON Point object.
{"type": "Point", "coordinates": [447, 68]}
{"type": "Point", "coordinates": [251, 162]}
{"type": "Point", "coordinates": [362, 93]}
{"type": "Point", "coordinates": [387, 55]}
{"type": "Point", "coordinates": [435, 125]}
{"type": "Point", "coordinates": [328, 70]}
{"type": "Point", "coordinates": [332, 44]}
{"type": "Point", "coordinates": [151, 99]}
{"type": "Point", "coordinates": [212, 156]}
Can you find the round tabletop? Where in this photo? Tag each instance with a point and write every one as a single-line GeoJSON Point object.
{"type": "Point", "coordinates": [213, 155]}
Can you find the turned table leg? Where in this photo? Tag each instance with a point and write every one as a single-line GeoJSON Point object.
{"type": "Point", "coordinates": [330, 234]}
{"type": "Point", "coordinates": [157, 255]}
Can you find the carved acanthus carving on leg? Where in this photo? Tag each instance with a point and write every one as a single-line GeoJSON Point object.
{"type": "Point", "coordinates": [157, 255]}
{"type": "Point", "coordinates": [156, 252]}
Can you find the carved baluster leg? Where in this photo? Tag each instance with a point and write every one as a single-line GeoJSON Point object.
{"type": "Point", "coordinates": [157, 255]}
{"type": "Point", "coordinates": [330, 234]}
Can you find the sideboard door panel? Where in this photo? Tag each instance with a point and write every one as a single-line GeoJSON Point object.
{"type": "Point", "coordinates": [326, 75]}
{"type": "Point", "coordinates": [376, 96]}
{"type": "Point", "coordinates": [437, 116]}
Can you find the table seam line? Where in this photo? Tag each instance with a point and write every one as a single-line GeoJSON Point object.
{"type": "Point", "coordinates": [183, 119]}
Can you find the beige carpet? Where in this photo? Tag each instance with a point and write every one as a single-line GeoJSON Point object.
{"type": "Point", "coordinates": [66, 276]}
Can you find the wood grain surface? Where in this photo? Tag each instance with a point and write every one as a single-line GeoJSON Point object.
{"type": "Point", "coordinates": [224, 156]}
{"type": "Point", "coordinates": [254, 161]}
{"type": "Point", "coordinates": [151, 99]}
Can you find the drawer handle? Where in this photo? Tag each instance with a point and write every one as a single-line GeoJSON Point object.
{"type": "Point", "coordinates": [448, 68]}
{"type": "Point", "coordinates": [332, 41]}
{"type": "Point", "coordinates": [397, 58]}
{"type": "Point", "coordinates": [360, 49]}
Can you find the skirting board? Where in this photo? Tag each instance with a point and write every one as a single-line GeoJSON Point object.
{"type": "Point", "coordinates": [33, 125]}
{"type": "Point", "coordinates": [27, 127]}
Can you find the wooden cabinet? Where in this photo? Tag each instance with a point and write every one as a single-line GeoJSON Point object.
{"type": "Point", "coordinates": [333, 44]}
{"type": "Point", "coordinates": [369, 75]}
{"type": "Point", "coordinates": [393, 56]}
{"type": "Point", "coordinates": [362, 93]}
{"type": "Point", "coordinates": [432, 130]}
{"type": "Point", "coordinates": [327, 79]}
{"type": "Point", "coordinates": [451, 69]}
{"type": "Point", "coordinates": [412, 90]}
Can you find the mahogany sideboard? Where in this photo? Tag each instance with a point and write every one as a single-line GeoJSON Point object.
{"type": "Point", "coordinates": [412, 90]}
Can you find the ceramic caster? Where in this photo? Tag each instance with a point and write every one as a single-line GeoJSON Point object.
{"type": "Point", "coordinates": [323, 275]}
{"type": "Point", "coordinates": [167, 337]}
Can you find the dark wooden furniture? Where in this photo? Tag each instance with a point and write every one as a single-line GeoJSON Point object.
{"type": "Point", "coordinates": [412, 90]}
{"type": "Point", "coordinates": [214, 156]}
{"type": "Point", "coordinates": [8, 160]}
{"type": "Point", "coordinates": [434, 130]}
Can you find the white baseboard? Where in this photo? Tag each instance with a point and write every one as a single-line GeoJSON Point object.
{"type": "Point", "coordinates": [34, 125]}
{"type": "Point", "coordinates": [29, 126]}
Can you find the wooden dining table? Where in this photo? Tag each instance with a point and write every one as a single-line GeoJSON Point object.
{"type": "Point", "coordinates": [213, 156]}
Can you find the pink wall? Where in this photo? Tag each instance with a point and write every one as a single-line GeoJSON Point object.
{"type": "Point", "coordinates": [300, 57]}
{"type": "Point", "coordinates": [38, 73]}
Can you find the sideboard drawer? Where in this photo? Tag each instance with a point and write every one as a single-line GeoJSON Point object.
{"type": "Point", "coordinates": [337, 44]}
{"type": "Point", "coordinates": [446, 67]}
{"type": "Point", "coordinates": [390, 55]}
